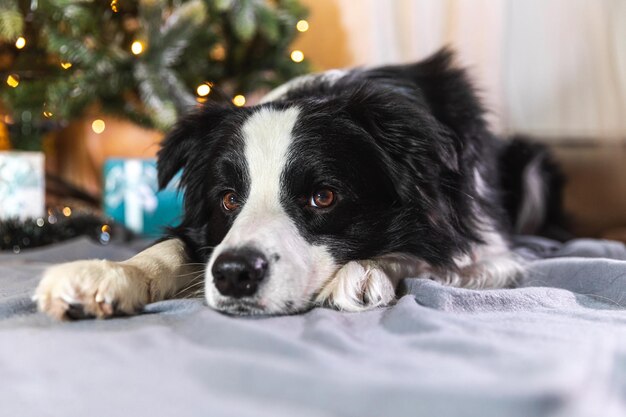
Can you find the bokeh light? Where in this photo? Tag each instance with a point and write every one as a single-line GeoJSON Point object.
{"type": "Point", "coordinates": [239, 100]}
{"type": "Point", "coordinates": [302, 25]}
{"type": "Point", "coordinates": [20, 42]}
{"type": "Point", "coordinates": [136, 48]}
{"type": "Point", "coordinates": [13, 80]}
{"type": "Point", "coordinates": [297, 56]}
{"type": "Point", "coordinates": [203, 90]}
{"type": "Point", "coordinates": [98, 126]}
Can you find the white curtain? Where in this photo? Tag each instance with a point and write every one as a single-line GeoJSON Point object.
{"type": "Point", "coordinates": [550, 68]}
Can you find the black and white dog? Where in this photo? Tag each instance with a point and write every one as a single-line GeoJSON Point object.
{"type": "Point", "coordinates": [330, 192]}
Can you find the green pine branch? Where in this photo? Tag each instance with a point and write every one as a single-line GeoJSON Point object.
{"type": "Point", "coordinates": [158, 85]}
{"type": "Point", "coordinates": [11, 21]}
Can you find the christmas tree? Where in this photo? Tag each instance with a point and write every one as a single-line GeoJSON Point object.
{"type": "Point", "coordinates": [147, 61]}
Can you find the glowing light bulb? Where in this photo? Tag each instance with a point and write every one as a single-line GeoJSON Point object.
{"type": "Point", "coordinates": [136, 48]}
{"type": "Point", "coordinates": [66, 65]}
{"type": "Point", "coordinates": [98, 126]}
{"type": "Point", "coordinates": [239, 100]}
{"type": "Point", "coordinates": [13, 80]}
{"type": "Point", "coordinates": [20, 42]}
{"type": "Point", "coordinates": [297, 56]}
{"type": "Point", "coordinates": [114, 6]}
{"type": "Point", "coordinates": [302, 25]}
{"type": "Point", "coordinates": [203, 90]}
{"type": "Point", "coordinates": [47, 114]}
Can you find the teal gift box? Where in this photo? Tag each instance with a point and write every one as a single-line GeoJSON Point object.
{"type": "Point", "coordinates": [132, 196]}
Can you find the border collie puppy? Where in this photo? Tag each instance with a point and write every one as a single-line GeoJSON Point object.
{"type": "Point", "coordinates": [330, 192]}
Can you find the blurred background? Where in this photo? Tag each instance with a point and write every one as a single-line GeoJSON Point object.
{"type": "Point", "coordinates": [91, 86]}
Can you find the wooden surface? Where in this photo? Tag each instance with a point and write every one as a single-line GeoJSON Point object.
{"type": "Point", "coordinates": [595, 194]}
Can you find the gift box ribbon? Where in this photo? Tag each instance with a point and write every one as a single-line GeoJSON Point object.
{"type": "Point", "coordinates": [134, 184]}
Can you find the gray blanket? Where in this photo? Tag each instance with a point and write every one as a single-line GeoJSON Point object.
{"type": "Point", "coordinates": [556, 346]}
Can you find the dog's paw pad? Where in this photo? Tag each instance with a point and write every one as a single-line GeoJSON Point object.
{"type": "Point", "coordinates": [358, 286]}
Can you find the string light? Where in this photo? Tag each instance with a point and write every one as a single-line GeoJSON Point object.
{"type": "Point", "coordinates": [297, 56]}
{"type": "Point", "coordinates": [66, 65]}
{"type": "Point", "coordinates": [105, 237]}
{"type": "Point", "coordinates": [203, 90]}
{"type": "Point", "coordinates": [302, 25]}
{"type": "Point", "coordinates": [20, 42]}
{"type": "Point", "coordinates": [47, 114]}
{"type": "Point", "coordinates": [98, 126]}
{"type": "Point", "coordinates": [114, 6]}
{"type": "Point", "coordinates": [239, 100]}
{"type": "Point", "coordinates": [67, 212]}
{"type": "Point", "coordinates": [136, 48]}
{"type": "Point", "coordinates": [13, 80]}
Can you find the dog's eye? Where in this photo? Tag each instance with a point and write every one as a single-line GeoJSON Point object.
{"type": "Point", "coordinates": [322, 198]}
{"type": "Point", "coordinates": [230, 201]}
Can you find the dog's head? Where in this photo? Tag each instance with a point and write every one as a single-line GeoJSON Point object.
{"type": "Point", "coordinates": [279, 196]}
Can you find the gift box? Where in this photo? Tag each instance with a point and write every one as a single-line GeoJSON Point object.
{"type": "Point", "coordinates": [22, 185]}
{"type": "Point", "coordinates": [132, 196]}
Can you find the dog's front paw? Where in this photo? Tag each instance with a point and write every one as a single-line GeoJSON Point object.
{"type": "Point", "coordinates": [87, 289]}
{"type": "Point", "coordinates": [358, 286]}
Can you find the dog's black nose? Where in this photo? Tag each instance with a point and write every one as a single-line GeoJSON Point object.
{"type": "Point", "coordinates": [238, 273]}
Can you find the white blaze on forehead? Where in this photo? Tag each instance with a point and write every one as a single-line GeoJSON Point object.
{"type": "Point", "coordinates": [267, 137]}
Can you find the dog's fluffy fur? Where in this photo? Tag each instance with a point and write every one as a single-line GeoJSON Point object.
{"type": "Point", "coordinates": [422, 188]}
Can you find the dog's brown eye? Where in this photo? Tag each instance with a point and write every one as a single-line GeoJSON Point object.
{"type": "Point", "coordinates": [322, 198]}
{"type": "Point", "coordinates": [230, 201]}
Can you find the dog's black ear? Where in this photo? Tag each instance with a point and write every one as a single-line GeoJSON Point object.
{"type": "Point", "coordinates": [451, 93]}
{"type": "Point", "coordinates": [193, 130]}
{"type": "Point", "coordinates": [445, 86]}
{"type": "Point", "coordinates": [396, 118]}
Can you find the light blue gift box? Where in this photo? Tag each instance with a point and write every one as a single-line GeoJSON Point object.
{"type": "Point", "coordinates": [132, 196]}
{"type": "Point", "coordinates": [22, 185]}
